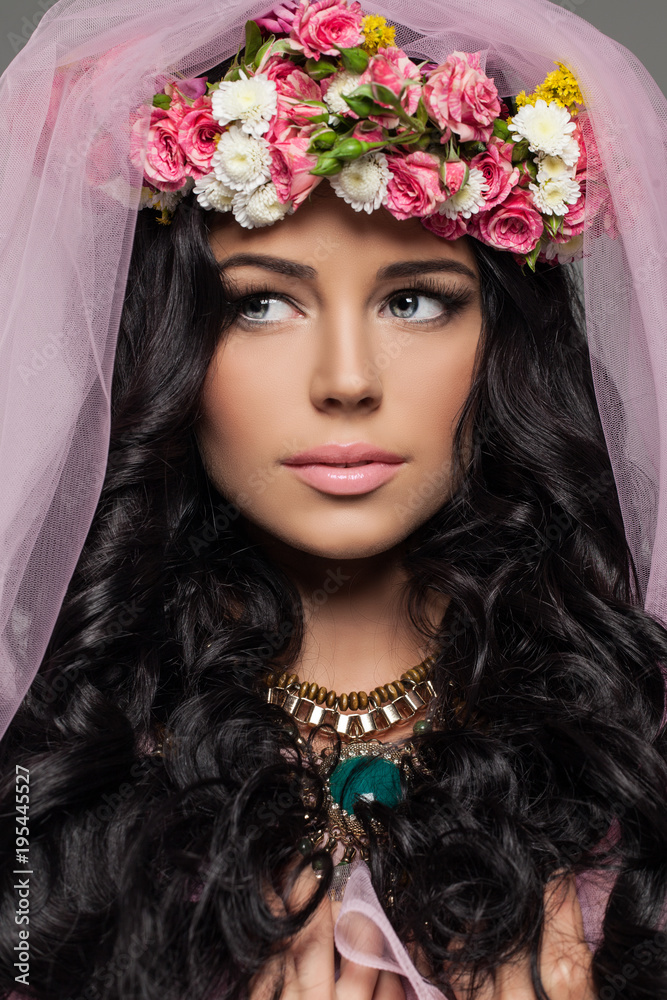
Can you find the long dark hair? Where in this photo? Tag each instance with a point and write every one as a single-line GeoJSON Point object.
{"type": "Point", "coordinates": [163, 876]}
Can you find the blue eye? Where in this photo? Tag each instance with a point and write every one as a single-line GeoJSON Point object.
{"type": "Point", "coordinates": [413, 305]}
{"type": "Point", "coordinates": [264, 309]}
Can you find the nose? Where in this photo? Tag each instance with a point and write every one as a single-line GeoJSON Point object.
{"type": "Point", "coordinates": [345, 377]}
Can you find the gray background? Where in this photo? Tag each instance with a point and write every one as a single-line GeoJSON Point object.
{"type": "Point", "coordinates": [640, 25]}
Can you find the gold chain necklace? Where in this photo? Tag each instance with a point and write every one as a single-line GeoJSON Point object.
{"type": "Point", "coordinates": [355, 715]}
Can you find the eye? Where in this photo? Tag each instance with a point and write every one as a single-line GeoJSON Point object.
{"type": "Point", "coordinates": [415, 306]}
{"type": "Point", "coordinates": [265, 309]}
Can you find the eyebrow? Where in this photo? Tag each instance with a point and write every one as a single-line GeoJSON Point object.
{"type": "Point", "coordinates": [399, 269]}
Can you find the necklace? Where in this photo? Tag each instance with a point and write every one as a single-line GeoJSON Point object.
{"type": "Point", "coordinates": [355, 715]}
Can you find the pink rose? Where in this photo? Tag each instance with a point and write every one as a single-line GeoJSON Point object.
{"type": "Point", "coordinates": [198, 132]}
{"type": "Point", "coordinates": [163, 160]}
{"type": "Point", "coordinates": [414, 188]}
{"type": "Point", "coordinates": [324, 27]}
{"type": "Point", "coordinates": [276, 67]}
{"type": "Point", "coordinates": [514, 224]}
{"type": "Point", "coordinates": [392, 69]}
{"type": "Point", "coordinates": [459, 96]}
{"type": "Point", "coordinates": [499, 172]}
{"type": "Point", "coordinates": [290, 166]}
{"type": "Point", "coordinates": [279, 19]}
{"type": "Point", "coordinates": [443, 226]}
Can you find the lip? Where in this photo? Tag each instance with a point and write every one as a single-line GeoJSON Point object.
{"type": "Point", "coordinates": [324, 467]}
{"type": "Point", "coordinates": [338, 454]}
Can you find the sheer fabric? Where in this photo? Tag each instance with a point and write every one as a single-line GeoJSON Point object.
{"type": "Point", "coordinates": [69, 196]}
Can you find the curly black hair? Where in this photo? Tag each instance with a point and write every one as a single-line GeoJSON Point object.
{"type": "Point", "coordinates": [165, 876]}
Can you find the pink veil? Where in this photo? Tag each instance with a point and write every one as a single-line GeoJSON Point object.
{"type": "Point", "coordinates": [69, 196]}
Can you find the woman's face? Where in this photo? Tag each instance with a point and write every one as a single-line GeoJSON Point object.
{"type": "Point", "coordinates": [345, 342]}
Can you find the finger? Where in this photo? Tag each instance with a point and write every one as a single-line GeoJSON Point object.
{"type": "Point", "coordinates": [312, 950]}
{"type": "Point", "coordinates": [389, 986]}
{"type": "Point", "coordinates": [357, 981]}
{"type": "Point", "coordinates": [565, 958]}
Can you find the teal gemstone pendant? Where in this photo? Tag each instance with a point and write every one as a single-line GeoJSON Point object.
{"type": "Point", "coordinates": [373, 778]}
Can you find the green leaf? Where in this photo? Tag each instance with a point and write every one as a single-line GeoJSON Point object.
{"type": "Point", "coordinates": [421, 114]}
{"type": "Point", "coordinates": [320, 70]}
{"type": "Point", "coordinates": [253, 40]}
{"type": "Point", "coordinates": [234, 73]}
{"type": "Point", "coordinates": [355, 60]}
{"type": "Point", "coordinates": [554, 223]}
{"type": "Point", "coordinates": [261, 52]}
{"type": "Point", "coordinates": [520, 151]}
{"type": "Point", "coordinates": [501, 129]}
{"type": "Point", "coordinates": [531, 258]}
{"type": "Point", "coordinates": [360, 104]}
{"type": "Point", "coordinates": [162, 101]}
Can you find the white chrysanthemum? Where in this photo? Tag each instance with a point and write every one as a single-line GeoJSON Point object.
{"type": "Point", "coordinates": [161, 200]}
{"type": "Point", "coordinates": [241, 162]}
{"type": "Point", "coordinates": [261, 207]}
{"type": "Point", "coordinates": [468, 199]}
{"type": "Point", "coordinates": [252, 100]}
{"type": "Point", "coordinates": [554, 196]}
{"type": "Point", "coordinates": [553, 168]}
{"type": "Point", "coordinates": [547, 127]}
{"type": "Point", "coordinates": [570, 153]}
{"type": "Point", "coordinates": [363, 182]}
{"type": "Point", "coordinates": [566, 252]}
{"type": "Point", "coordinates": [212, 193]}
{"type": "Point", "coordinates": [341, 85]}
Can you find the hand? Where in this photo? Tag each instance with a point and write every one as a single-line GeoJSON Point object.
{"type": "Point", "coordinates": [565, 958]}
{"type": "Point", "coordinates": [309, 962]}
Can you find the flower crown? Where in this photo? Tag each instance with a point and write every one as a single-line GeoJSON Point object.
{"type": "Point", "coordinates": [320, 90]}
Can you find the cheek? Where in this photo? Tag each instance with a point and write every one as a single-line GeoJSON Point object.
{"type": "Point", "coordinates": [435, 382]}
{"type": "Point", "coordinates": [247, 395]}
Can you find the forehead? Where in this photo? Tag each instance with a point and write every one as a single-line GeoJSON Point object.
{"type": "Point", "coordinates": [329, 235]}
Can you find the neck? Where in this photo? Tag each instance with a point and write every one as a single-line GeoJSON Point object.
{"type": "Point", "coordinates": [357, 632]}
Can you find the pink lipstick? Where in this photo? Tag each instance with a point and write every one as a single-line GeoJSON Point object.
{"type": "Point", "coordinates": [345, 469]}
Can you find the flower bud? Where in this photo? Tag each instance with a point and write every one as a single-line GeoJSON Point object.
{"type": "Point", "coordinates": [326, 166]}
{"type": "Point", "coordinates": [356, 60]}
{"type": "Point", "coordinates": [350, 149]}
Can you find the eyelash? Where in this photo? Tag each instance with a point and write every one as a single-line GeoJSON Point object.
{"type": "Point", "coordinates": [453, 299]}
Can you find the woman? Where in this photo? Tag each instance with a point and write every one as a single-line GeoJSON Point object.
{"type": "Point", "coordinates": [478, 562]}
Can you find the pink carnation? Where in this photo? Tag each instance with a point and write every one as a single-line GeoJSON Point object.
{"type": "Point", "coordinates": [499, 172]}
{"type": "Point", "coordinates": [324, 27]}
{"type": "Point", "coordinates": [290, 166]}
{"type": "Point", "coordinates": [414, 188]}
{"type": "Point", "coordinates": [442, 225]}
{"type": "Point", "coordinates": [198, 132]}
{"type": "Point", "coordinates": [460, 97]}
{"type": "Point", "coordinates": [295, 91]}
{"type": "Point", "coordinates": [591, 200]}
{"type": "Point", "coordinates": [163, 161]}
{"type": "Point", "coordinates": [514, 224]}
{"type": "Point", "coordinates": [392, 69]}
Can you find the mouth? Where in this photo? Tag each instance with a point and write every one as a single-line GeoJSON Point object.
{"type": "Point", "coordinates": [346, 478]}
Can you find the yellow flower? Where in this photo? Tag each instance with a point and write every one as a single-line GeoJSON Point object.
{"type": "Point", "coordinates": [560, 86]}
{"type": "Point", "coordinates": [377, 33]}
